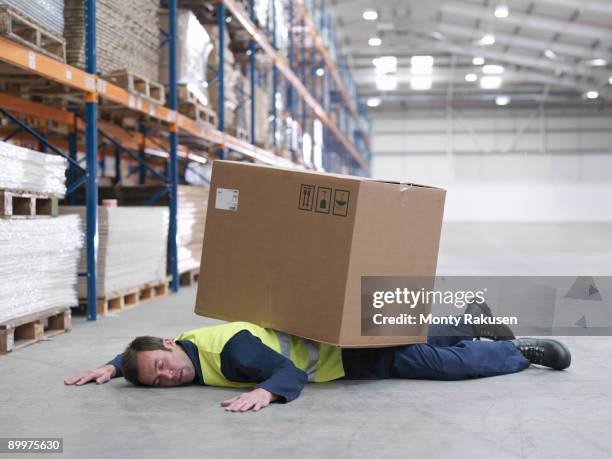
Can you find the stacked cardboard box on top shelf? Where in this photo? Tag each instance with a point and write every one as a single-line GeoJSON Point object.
{"type": "Point", "coordinates": [127, 36]}
{"type": "Point", "coordinates": [47, 13]}
{"type": "Point", "coordinates": [131, 255]}
{"type": "Point", "coordinates": [38, 249]}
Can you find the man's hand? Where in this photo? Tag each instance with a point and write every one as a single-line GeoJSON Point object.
{"type": "Point", "coordinates": [254, 400]}
{"type": "Point", "coordinates": [100, 375]}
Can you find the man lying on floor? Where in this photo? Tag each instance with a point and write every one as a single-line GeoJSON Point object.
{"type": "Point", "coordinates": [243, 355]}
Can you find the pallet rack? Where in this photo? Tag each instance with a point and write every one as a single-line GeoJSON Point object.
{"type": "Point", "coordinates": [88, 89]}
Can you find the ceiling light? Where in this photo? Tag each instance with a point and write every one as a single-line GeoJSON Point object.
{"type": "Point", "coordinates": [374, 41]}
{"type": "Point", "coordinates": [487, 39]}
{"type": "Point", "coordinates": [549, 53]}
{"type": "Point", "coordinates": [490, 69]}
{"type": "Point", "coordinates": [598, 62]}
{"type": "Point", "coordinates": [421, 65]}
{"type": "Point", "coordinates": [592, 95]}
{"type": "Point", "coordinates": [490, 82]}
{"type": "Point", "coordinates": [385, 64]}
{"type": "Point", "coordinates": [478, 60]}
{"type": "Point", "coordinates": [420, 83]}
{"type": "Point", "coordinates": [370, 15]}
{"type": "Point", "coordinates": [610, 80]}
{"type": "Point", "coordinates": [501, 11]}
{"type": "Point", "coordinates": [320, 71]}
{"type": "Point", "coordinates": [373, 101]}
{"type": "Point", "coordinates": [502, 100]}
{"type": "Point", "coordinates": [471, 77]}
{"type": "Point", "coordinates": [386, 82]}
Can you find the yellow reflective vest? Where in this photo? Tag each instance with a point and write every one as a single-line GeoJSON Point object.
{"type": "Point", "coordinates": [321, 362]}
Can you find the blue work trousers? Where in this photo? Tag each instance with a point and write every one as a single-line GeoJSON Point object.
{"type": "Point", "coordinates": [451, 353]}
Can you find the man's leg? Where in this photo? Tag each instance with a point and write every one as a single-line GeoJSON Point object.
{"type": "Point", "coordinates": [467, 359]}
{"type": "Point", "coordinates": [449, 335]}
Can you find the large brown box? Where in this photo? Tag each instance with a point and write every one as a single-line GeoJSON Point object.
{"type": "Point", "coordinates": [286, 249]}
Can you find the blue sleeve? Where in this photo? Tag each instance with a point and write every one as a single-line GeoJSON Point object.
{"type": "Point", "coordinates": [116, 362]}
{"type": "Point", "coordinates": [246, 359]}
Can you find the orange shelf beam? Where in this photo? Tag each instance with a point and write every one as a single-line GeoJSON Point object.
{"type": "Point", "coordinates": [283, 66]}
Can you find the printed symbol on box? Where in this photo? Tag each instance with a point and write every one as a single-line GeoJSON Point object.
{"type": "Point", "coordinates": [324, 200]}
{"type": "Point", "coordinates": [341, 202]}
{"type": "Point", "coordinates": [307, 195]}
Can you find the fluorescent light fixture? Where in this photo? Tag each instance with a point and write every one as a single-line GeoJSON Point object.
{"type": "Point", "coordinates": [490, 82]}
{"type": "Point", "coordinates": [374, 41]}
{"type": "Point", "coordinates": [370, 15]}
{"type": "Point", "coordinates": [386, 82]}
{"type": "Point", "coordinates": [491, 69]}
{"type": "Point", "coordinates": [471, 77]}
{"type": "Point", "coordinates": [502, 100]}
{"type": "Point", "coordinates": [385, 64]}
{"type": "Point", "coordinates": [598, 62]}
{"type": "Point", "coordinates": [592, 95]}
{"type": "Point", "coordinates": [549, 53]}
{"type": "Point", "coordinates": [478, 60]}
{"type": "Point", "coordinates": [610, 80]}
{"type": "Point", "coordinates": [501, 11]}
{"type": "Point", "coordinates": [487, 39]}
{"type": "Point", "coordinates": [420, 83]}
{"type": "Point", "coordinates": [421, 65]}
{"type": "Point", "coordinates": [320, 71]}
{"type": "Point", "coordinates": [373, 101]}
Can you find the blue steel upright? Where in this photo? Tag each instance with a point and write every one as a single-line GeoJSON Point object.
{"type": "Point", "coordinates": [173, 164]}
{"type": "Point", "coordinates": [274, 83]}
{"type": "Point", "coordinates": [91, 143]}
{"type": "Point", "coordinates": [72, 152]}
{"type": "Point", "coordinates": [221, 71]}
{"type": "Point", "coordinates": [252, 70]}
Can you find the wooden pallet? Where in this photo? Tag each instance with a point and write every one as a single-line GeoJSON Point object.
{"type": "Point", "coordinates": [138, 85]}
{"type": "Point", "coordinates": [26, 330]}
{"type": "Point", "coordinates": [198, 112]}
{"type": "Point", "coordinates": [21, 28]}
{"type": "Point", "coordinates": [130, 297]}
{"type": "Point", "coordinates": [189, 278]}
{"type": "Point", "coordinates": [24, 204]}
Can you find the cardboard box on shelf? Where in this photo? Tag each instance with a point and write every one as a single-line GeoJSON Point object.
{"type": "Point", "coordinates": [286, 249]}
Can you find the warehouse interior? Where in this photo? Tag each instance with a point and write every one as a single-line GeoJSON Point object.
{"type": "Point", "coordinates": [126, 126]}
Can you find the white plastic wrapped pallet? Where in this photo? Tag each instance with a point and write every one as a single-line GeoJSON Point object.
{"type": "Point", "coordinates": [23, 169]}
{"type": "Point", "coordinates": [131, 248]}
{"type": "Point", "coordinates": [193, 48]}
{"type": "Point", "coordinates": [38, 264]}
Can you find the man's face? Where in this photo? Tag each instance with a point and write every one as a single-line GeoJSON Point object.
{"type": "Point", "coordinates": [165, 368]}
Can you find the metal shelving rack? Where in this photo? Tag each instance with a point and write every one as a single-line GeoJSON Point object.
{"type": "Point", "coordinates": [93, 88]}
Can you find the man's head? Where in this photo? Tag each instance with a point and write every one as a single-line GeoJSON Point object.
{"type": "Point", "coordinates": [150, 361]}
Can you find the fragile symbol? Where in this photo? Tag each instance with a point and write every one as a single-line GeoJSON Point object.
{"type": "Point", "coordinates": [306, 197]}
{"type": "Point", "coordinates": [323, 199]}
{"type": "Point", "coordinates": [341, 201]}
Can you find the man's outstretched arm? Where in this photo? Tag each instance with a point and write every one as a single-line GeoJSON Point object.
{"type": "Point", "coordinates": [246, 359]}
{"type": "Point", "coordinates": [100, 375]}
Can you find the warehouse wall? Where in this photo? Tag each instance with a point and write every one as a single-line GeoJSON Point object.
{"type": "Point", "coordinates": [503, 164]}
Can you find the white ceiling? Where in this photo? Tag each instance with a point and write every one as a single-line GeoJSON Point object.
{"type": "Point", "coordinates": [576, 31]}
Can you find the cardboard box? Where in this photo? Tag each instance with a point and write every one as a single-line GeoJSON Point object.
{"type": "Point", "coordinates": [286, 249]}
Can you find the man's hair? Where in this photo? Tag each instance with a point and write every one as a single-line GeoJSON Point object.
{"type": "Point", "coordinates": [129, 363]}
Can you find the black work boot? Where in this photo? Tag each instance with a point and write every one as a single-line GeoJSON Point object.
{"type": "Point", "coordinates": [546, 352]}
{"type": "Point", "coordinates": [496, 332]}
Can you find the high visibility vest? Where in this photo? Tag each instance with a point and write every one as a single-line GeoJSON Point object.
{"type": "Point", "coordinates": [321, 362]}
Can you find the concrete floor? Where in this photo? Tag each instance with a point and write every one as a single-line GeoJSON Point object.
{"type": "Point", "coordinates": [537, 413]}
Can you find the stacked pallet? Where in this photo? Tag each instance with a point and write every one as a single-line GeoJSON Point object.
{"type": "Point", "coordinates": [38, 253]}
{"type": "Point", "coordinates": [127, 36]}
{"type": "Point", "coordinates": [131, 250]}
{"type": "Point", "coordinates": [46, 13]}
{"type": "Point", "coordinates": [191, 218]}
